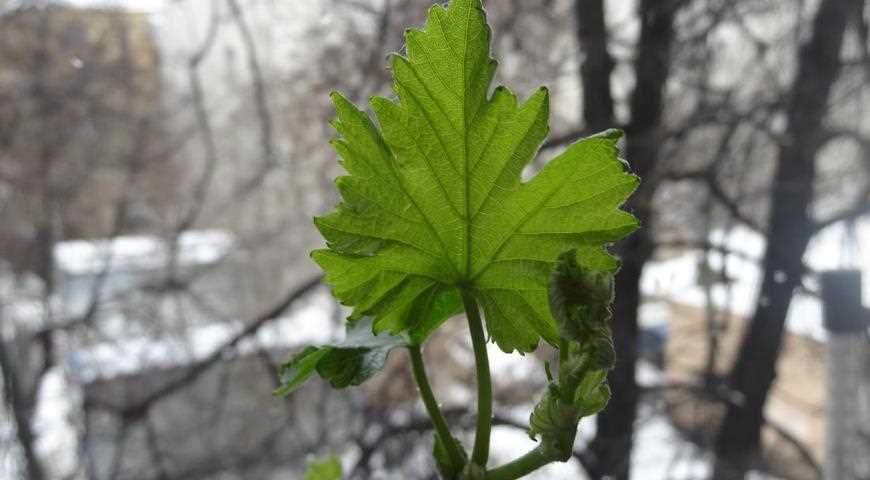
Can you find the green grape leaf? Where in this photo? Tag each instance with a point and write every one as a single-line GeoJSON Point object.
{"type": "Point", "coordinates": [351, 362]}
{"type": "Point", "coordinates": [328, 469]}
{"type": "Point", "coordinates": [434, 200]}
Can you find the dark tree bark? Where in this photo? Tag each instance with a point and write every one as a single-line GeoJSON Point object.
{"type": "Point", "coordinates": [610, 452]}
{"type": "Point", "coordinates": [597, 65]}
{"type": "Point", "coordinates": [23, 370]}
{"type": "Point", "coordinates": [790, 229]}
{"type": "Point", "coordinates": [21, 402]}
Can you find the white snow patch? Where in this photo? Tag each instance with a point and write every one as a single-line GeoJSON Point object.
{"type": "Point", "coordinates": [141, 253]}
{"type": "Point", "coordinates": [676, 278]}
{"type": "Point", "coordinates": [660, 452]}
{"type": "Point", "coordinates": [56, 436]}
{"type": "Point", "coordinates": [122, 355]}
{"type": "Point", "coordinates": [508, 443]}
{"type": "Point", "coordinates": [510, 365]}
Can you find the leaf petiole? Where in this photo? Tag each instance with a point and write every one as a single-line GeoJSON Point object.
{"type": "Point", "coordinates": [528, 463]}
{"type": "Point", "coordinates": [480, 453]}
{"type": "Point", "coordinates": [435, 415]}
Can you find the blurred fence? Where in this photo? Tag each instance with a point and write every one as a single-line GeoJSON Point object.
{"type": "Point", "coordinates": [848, 413]}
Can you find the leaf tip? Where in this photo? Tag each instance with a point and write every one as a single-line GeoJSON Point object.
{"type": "Point", "coordinates": [342, 106]}
{"type": "Point", "coordinates": [317, 255]}
{"type": "Point", "coordinates": [611, 133]}
{"type": "Point", "coordinates": [409, 35]}
{"type": "Point", "coordinates": [280, 392]}
{"type": "Point", "coordinates": [336, 96]}
{"type": "Point", "coordinates": [396, 60]}
{"type": "Point", "coordinates": [541, 97]}
{"type": "Point", "coordinates": [378, 103]}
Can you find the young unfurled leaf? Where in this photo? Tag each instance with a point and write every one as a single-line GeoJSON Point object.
{"type": "Point", "coordinates": [329, 469]}
{"type": "Point", "coordinates": [594, 400]}
{"type": "Point", "coordinates": [581, 391]}
{"type": "Point", "coordinates": [555, 421]}
{"type": "Point", "coordinates": [580, 300]}
{"type": "Point", "coordinates": [350, 362]}
{"type": "Point", "coordinates": [433, 200]}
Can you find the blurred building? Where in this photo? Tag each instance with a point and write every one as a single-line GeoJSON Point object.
{"type": "Point", "coordinates": [80, 96]}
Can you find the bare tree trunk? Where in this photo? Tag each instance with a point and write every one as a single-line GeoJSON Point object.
{"type": "Point", "coordinates": [23, 371]}
{"type": "Point", "coordinates": [790, 229]}
{"type": "Point", "coordinates": [21, 406]}
{"type": "Point", "coordinates": [611, 449]}
{"type": "Point", "coordinates": [597, 65]}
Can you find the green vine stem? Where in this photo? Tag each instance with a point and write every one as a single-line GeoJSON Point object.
{"type": "Point", "coordinates": [435, 415]}
{"type": "Point", "coordinates": [528, 463]}
{"type": "Point", "coordinates": [480, 453]}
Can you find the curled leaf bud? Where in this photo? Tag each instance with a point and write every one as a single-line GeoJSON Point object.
{"type": "Point", "coordinates": [580, 302]}
{"type": "Point", "coordinates": [601, 353]}
{"type": "Point", "coordinates": [556, 422]}
{"type": "Point", "coordinates": [580, 298]}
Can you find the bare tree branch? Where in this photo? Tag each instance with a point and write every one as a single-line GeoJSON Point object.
{"type": "Point", "coordinates": [267, 142]}
{"type": "Point", "coordinates": [198, 368]}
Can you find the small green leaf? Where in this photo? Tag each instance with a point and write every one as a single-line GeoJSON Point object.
{"type": "Point", "coordinates": [299, 368]}
{"type": "Point", "coordinates": [555, 421]}
{"type": "Point", "coordinates": [351, 362]}
{"type": "Point", "coordinates": [328, 469]}
{"type": "Point", "coordinates": [594, 401]}
{"type": "Point", "coordinates": [434, 200]}
{"type": "Point", "coordinates": [446, 468]}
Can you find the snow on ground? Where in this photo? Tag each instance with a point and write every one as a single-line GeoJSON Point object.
{"type": "Point", "coordinates": [508, 443]}
{"type": "Point", "coordinates": [659, 452]}
{"type": "Point", "coordinates": [57, 437]}
{"type": "Point", "coordinates": [511, 365]}
{"type": "Point", "coordinates": [676, 278]}
{"type": "Point", "coordinates": [59, 396]}
{"type": "Point", "coordinates": [123, 355]}
{"type": "Point", "coordinates": [141, 253]}
{"type": "Point", "coordinates": [658, 444]}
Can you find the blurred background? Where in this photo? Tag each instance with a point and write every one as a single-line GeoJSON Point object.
{"type": "Point", "coordinates": [161, 160]}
